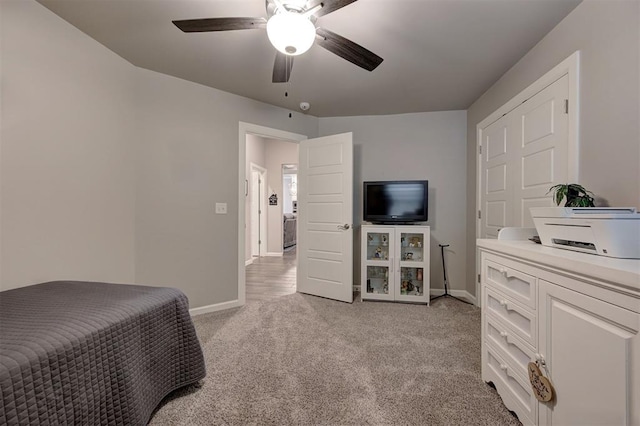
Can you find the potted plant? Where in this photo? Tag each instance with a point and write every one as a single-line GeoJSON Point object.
{"type": "Point", "coordinates": [576, 195]}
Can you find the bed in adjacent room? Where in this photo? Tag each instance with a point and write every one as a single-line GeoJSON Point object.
{"type": "Point", "coordinates": [93, 353]}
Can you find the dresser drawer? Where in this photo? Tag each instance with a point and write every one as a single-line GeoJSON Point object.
{"type": "Point", "coordinates": [516, 284]}
{"type": "Point", "coordinates": [511, 348]}
{"type": "Point", "coordinates": [515, 316]}
{"type": "Point", "coordinates": [515, 392]}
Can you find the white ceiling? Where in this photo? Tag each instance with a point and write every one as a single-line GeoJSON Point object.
{"type": "Point", "coordinates": [438, 54]}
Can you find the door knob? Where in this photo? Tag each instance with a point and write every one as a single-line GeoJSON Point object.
{"type": "Point", "coordinates": [344, 227]}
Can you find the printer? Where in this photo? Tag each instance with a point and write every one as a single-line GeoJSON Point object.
{"type": "Point", "coordinates": [605, 231]}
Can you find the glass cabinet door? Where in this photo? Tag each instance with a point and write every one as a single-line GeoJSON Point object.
{"type": "Point", "coordinates": [378, 252]}
{"type": "Point", "coordinates": [413, 275]}
{"type": "Point", "coordinates": [377, 246]}
{"type": "Point", "coordinates": [411, 281]}
{"type": "Point", "coordinates": [395, 263]}
{"type": "Point", "coordinates": [377, 280]}
{"type": "Point", "coordinates": [411, 247]}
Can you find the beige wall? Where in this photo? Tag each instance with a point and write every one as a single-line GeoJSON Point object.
{"type": "Point", "coordinates": [428, 146]}
{"type": "Point", "coordinates": [607, 33]}
{"type": "Point", "coordinates": [67, 165]}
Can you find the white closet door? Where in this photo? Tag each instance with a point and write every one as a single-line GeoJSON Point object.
{"type": "Point", "coordinates": [496, 178]}
{"type": "Point", "coordinates": [541, 129]}
{"type": "Point", "coordinates": [524, 153]}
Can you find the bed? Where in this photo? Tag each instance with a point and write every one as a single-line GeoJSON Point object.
{"type": "Point", "coordinates": [93, 353]}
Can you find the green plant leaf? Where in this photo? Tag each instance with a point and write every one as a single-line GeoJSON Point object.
{"type": "Point", "coordinates": [576, 195]}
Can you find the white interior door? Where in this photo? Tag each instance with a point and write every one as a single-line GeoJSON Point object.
{"type": "Point", "coordinates": [523, 154]}
{"type": "Point", "coordinates": [497, 178]}
{"type": "Point", "coordinates": [325, 212]}
{"type": "Point", "coordinates": [257, 205]}
{"type": "Point", "coordinates": [541, 149]}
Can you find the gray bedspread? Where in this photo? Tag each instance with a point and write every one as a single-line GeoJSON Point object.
{"type": "Point", "coordinates": [93, 353]}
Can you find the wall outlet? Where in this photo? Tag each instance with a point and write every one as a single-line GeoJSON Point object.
{"type": "Point", "coordinates": [221, 208]}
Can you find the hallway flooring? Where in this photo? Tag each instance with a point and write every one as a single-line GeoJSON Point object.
{"type": "Point", "coordinates": [271, 277]}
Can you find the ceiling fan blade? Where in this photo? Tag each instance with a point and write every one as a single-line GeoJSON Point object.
{"type": "Point", "coordinates": [328, 6]}
{"type": "Point", "coordinates": [348, 50]}
{"type": "Point", "coordinates": [220, 24]}
{"type": "Point", "coordinates": [282, 68]}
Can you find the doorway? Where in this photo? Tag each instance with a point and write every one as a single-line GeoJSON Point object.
{"type": "Point", "coordinates": [325, 206]}
{"type": "Point", "coordinates": [272, 226]}
{"type": "Point", "coordinates": [289, 207]}
{"type": "Point", "coordinates": [272, 263]}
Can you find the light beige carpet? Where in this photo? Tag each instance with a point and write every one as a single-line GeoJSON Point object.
{"type": "Point", "coordinates": [305, 360]}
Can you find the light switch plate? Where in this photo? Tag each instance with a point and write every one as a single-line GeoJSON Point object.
{"type": "Point", "coordinates": [221, 208]}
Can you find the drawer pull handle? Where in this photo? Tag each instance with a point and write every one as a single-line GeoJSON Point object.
{"type": "Point", "coordinates": [541, 361]}
{"type": "Point", "coordinates": [503, 334]}
{"type": "Point", "coordinates": [505, 273]}
{"type": "Point", "coordinates": [504, 304]}
{"type": "Point", "coordinates": [503, 367]}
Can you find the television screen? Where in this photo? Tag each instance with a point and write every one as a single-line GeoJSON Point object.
{"type": "Point", "coordinates": [396, 201]}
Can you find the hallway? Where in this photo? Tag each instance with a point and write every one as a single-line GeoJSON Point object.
{"type": "Point", "coordinates": [268, 278]}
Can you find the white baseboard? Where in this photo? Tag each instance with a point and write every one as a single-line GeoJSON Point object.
{"type": "Point", "coordinates": [215, 307]}
{"type": "Point", "coordinates": [248, 262]}
{"type": "Point", "coordinates": [462, 294]}
{"type": "Point", "coordinates": [274, 254]}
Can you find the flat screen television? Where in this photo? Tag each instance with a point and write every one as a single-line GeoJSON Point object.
{"type": "Point", "coordinates": [396, 201]}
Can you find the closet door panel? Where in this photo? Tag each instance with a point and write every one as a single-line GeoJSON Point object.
{"type": "Point", "coordinates": [540, 149]}
{"type": "Point", "coordinates": [496, 190]}
{"type": "Point", "coordinates": [524, 153]}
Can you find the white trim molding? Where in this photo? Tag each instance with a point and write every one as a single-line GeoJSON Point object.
{"type": "Point", "coordinates": [569, 67]}
{"type": "Point", "coordinates": [215, 307]}
{"type": "Point", "coordinates": [274, 254]}
{"type": "Point", "coordinates": [462, 294]}
{"type": "Point", "coordinates": [263, 237]}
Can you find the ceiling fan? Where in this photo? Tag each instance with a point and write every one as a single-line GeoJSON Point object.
{"type": "Point", "coordinates": [291, 28]}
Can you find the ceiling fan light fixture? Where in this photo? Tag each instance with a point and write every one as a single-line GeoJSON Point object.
{"type": "Point", "coordinates": [291, 33]}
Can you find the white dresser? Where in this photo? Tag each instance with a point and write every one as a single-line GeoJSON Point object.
{"type": "Point", "coordinates": [578, 315]}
